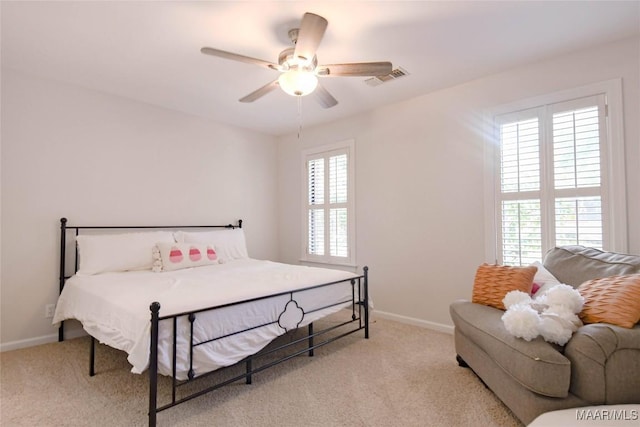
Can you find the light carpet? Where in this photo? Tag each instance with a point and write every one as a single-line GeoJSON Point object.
{"type": "Point", "coordinates": [403, 375]}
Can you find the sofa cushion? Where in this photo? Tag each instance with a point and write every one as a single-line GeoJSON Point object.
{"type": "Point", "coordinates": [535, 364]}
{"type": "Point", "coordinates": [575, 265]}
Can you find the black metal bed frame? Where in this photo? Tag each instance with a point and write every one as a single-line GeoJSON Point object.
{"type": "Point", "coordinates": [359, 320]}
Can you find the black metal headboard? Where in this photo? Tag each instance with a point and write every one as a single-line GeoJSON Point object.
{"type": "Point", "coordinates": [64, 228]}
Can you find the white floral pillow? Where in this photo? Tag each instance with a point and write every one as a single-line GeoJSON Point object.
{"type": "Point", "coordinates": [174, 256]}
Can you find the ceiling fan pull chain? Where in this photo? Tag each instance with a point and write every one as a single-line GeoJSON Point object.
{"type": "Point", "coordinates": [299, 98]}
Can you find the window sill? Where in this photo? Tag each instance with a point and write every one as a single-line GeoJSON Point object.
{"type": "Point", "coordinates": [328, 263]}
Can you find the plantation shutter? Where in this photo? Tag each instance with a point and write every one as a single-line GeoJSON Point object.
{"type": "Point", "coordinates": [338, 215]}
{"type": "Point", "coordinates": [577, 172]}
{"type": "Point", "coordinates": [315, 169]}
{"type": "Point", "coordinates": [329, 206]}
{"type": "Point", "coordinates": [521, 215]}
{"type": "Point", "coordinates": [550, 179]}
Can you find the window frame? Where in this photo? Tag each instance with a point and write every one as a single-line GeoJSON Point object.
{"type": "Point", "coordinates": [324, 152]}
{"type": "Point", "coordinates": [613, 188]}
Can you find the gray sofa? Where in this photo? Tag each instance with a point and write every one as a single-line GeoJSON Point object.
{"type": "Point", "coordinates": [599, 365]}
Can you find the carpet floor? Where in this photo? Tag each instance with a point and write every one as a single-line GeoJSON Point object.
{"type": "Point", "coordinates": [403, 375]}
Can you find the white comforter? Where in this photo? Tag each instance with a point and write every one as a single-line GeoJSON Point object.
{"type": "Point", "coordinates": [114, 308]}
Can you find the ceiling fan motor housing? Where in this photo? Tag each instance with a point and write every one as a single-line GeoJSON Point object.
{"type": "Point", "coordinates": [293, 35]}
{"type": "Point", "coordinates": [288, 61]}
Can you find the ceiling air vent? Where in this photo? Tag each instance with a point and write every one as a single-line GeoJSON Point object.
{"type": "Point", "coordinates": [393, 75]}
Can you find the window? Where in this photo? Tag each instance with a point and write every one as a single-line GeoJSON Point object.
{"type": "Point", "coordinates": [328, 212]}
{"type": "Point", "coordinates": [553, 183]}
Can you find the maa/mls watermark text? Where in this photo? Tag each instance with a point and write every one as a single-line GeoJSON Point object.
{"type": "Point", "coordinates": [613, 414]}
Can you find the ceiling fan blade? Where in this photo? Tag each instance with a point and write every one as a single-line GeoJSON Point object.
{"type": "Point", "coordinates": [259, 93]}
{"type": "Point", "coordinates": [310, 35]}
{"type": "Point", "coordinates": [324, 98]}
{"type": "Point", "coordinates": [235, 57]}
{"type": "Point", "coordinates": [355, 69]}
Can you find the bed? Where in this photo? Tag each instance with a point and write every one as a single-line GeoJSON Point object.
{"type": "Point", "coordinates": [188, 301]}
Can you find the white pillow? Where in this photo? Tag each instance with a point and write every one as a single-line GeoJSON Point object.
{"type": "Point", "coordinates": [174, 256]}
{"type": "Point", "coordinates": [543, 279]}
{"type": "Point", "coordinates": [101, 253]}
{"type": "Point", "coordinates": [229, 243]}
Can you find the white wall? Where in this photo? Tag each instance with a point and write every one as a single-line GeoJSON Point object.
{"type": "Point", "coordinates": [419, 179]}
{"type": "Point", "coordinates": [100, 159]}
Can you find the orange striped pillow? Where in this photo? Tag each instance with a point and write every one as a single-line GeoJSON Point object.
{"type": "Point", "coordinates": [492, 282]}
{"type": "Point", "coordinates": [614, 299]}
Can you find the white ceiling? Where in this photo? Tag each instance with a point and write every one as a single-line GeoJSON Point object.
{"type": "Point", "coordinates": [150, 50]}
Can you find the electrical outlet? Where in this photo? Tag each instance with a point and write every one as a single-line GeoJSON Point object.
{"type": "Point", "coordinates": [49, 310]}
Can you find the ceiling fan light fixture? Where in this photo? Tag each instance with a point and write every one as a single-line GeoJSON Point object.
{"type": "Point", "coordinates": [298, 83]}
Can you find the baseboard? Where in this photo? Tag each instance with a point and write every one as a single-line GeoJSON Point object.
{"type": "Point", "coordinates": [78, 332]}
{"type": "Point", "coordinates": [30, 342]}
{"type": "Point", "coordinates": [448, 329]}
{"type": "Point", "coordinates": [45, 339]}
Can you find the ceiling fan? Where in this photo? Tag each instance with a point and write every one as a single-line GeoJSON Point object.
{"type": "Point", "coordinates": [299, 65]}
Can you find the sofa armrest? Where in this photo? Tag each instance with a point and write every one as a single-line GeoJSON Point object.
{"type": "Point", "coordinates": [535, 365]}
{"type": "Point", "coordinates": [605, 363]}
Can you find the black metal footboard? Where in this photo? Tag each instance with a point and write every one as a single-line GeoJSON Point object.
{"type": "Point", "coordinates": [358, 303]}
